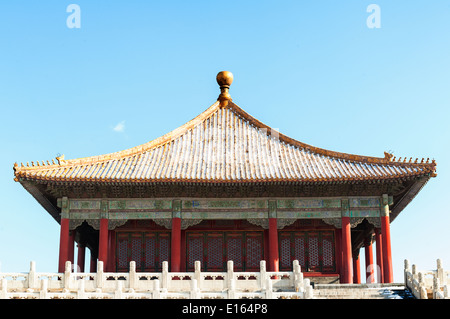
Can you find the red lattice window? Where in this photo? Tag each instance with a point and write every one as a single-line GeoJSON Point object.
{"type": "Point", "coordinates": [194, 246]}
{"type": "Point", "coordinates": [214, 249]}
{"type": "Point", "coordinates": [148, 250]}
{"type": "Point", "coordinates": [314, 250]}
{"type": "Point", "coordinates": [328, 258]}
{"type": "Point", "coordinates": [285, 251]}
{"type": "Point", "coordinates": [122, 252]}
{"type": "Point", "coordinates": [136, 249]}
{"type": "Point", "coordinates": [299, 250]}
{"type": "Point", "coordinates": [163, 246]}
{"type": "Point", "coordinates": [214, 252]}
{"type": "Point", "coordinates": [254, 251]}
{"type": "Point", "coordinates": [235, 250]}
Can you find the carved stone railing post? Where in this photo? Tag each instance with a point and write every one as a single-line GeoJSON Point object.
{"type": "Point", "coordinates": [436, 286]}
{"type": "Point", "coordinates": [422, 289]}
{"type": "Point", "coordinates": [156, 289]}
{"type": "Point", "coordinates": [81, 292]}
{"type": "Point", "coordinates": [99, 277]}
{"type": "Point", "coordinates": [231, 288]}
{"type": "Point", "coordinates": [132, 279]}
{"type": "Point", "coordinates": [43, 292]}
{"type": "Point", "coordinates": [197, 270]}
{"type": "Point", "coordinates": [298, 276]}
{"type": "Point", "coordinates": [440, 272]}
{"type": "Point", "coordinates": [309, 293]}
{"type": "Point", "coordinates": [406, 270]}
{"type": "Point", "coordinates": [262, 274]}
{"type": "Point", "coordinates": [165, 275]}
{"type": "Point", "coordinates": [195, 291]}
{"type": "Point", "coordinates": [423, 293]}
{"type": "Point", "coordinates": [33, 281]}
{"type": "Point", "coordinates": [230, 272]}
{"type": "Point", "coordinates": [118, 293]}
{"type": "Point", "coordinates": [4, 290]}
{"type": "Point", "coordinates": [269, 288]}
{"type": "Point", "coordinates": [67, 275]}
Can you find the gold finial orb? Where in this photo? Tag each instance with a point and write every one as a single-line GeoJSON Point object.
{"type": "Point", "coordinates": [224, 78]}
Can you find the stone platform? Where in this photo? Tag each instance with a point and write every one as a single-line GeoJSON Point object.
{"type": "Point", "coordinates": [361, 291]}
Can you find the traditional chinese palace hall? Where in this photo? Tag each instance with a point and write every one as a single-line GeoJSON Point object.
{"type": "Point", "coordinates": [225, 186]}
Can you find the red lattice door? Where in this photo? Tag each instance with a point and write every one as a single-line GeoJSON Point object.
{"type": "Point", "coordinates": [291, 247]}
{"type": "Point", "coordinates": [313, 249]}
{"type": "Point", "coordinates": [254, 248]}
{"type": "Point", "coordinates": [235, 250]}
{"type": "Point", "coordinates": [328, 252]}
{"type": "Point", "coordinates": [122, 260]}
{"type": "Point", "coordinates": [194, 250]}
{"type": "Point", "coordinates": [148, 250]}
{"type": "Point", "coordinates": [214, 249]}
{"type": "Point", "coordinates": [214, 252]}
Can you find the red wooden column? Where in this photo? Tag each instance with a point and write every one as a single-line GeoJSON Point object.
{"type": "Point", "coordinates": [103, 237]}
{"type": "Point", "coordinates": [175, 242]}
{"type": "Point", "coordinates": [64, 236]}
{"type": "Point", "coordinates": [346, 243]}
{"type": "Point", "coordinates": [111, 251]}
{"type": "Point", "coordinates": [356, 269]}
{"type": "Point", "coordinates": [338, 250]}
{"type": "Point", "coordinates": [183, 251]}
{"type": "Point", "coordinates": [386, 231]}
{"type": "Point", "coordinates": [273, 237]}
{"type": "Point", "coordinates": [72, 247]}
{"type": "Point", "coordinates": [103, 242]}
{"type": "Point", "coordinates": [378, 239]}
{"type": "Point", "coordinates": [175, 254]}
{"type": "Point", "coordinates": [81, 257]}
{"type": "Point", "coordinates": [370, 267]}
{"type": "Point", "coordinates": [273, 245]}
{"type": "Point", "coordinates": [63, 244]}
{"type": "Point", "coordinates": [93, 262]}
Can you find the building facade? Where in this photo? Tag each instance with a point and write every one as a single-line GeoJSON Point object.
{"type": "Point", "coordinates": [225, 186]}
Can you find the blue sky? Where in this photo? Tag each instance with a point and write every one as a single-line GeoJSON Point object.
{"type": "Point", "coordinates": [312, 69]}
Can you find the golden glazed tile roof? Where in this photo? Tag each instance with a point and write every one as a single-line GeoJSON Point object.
{"type": "Point", "coordinates": [225, 144]}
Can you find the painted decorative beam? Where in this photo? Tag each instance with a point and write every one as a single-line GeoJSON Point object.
{"type": "Point", "coordinates": [286, 210]}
